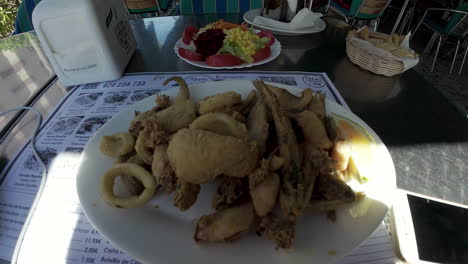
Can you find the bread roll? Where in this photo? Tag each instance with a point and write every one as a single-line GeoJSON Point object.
{"type": "Point", "coordinates": [388, 46]}
{"type": "Point", "coordinates": [364, 34]}
{"type": "Point", "coordinates": [404, 53]}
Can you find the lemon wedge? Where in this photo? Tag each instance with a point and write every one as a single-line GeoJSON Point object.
{"type": "Point", "coordinates": [361, 162]}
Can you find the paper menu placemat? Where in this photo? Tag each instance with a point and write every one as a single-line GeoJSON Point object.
{"type": "Point", "coordinates": [59, 231]}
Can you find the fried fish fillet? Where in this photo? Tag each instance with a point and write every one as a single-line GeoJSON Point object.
{"type": "Point", "coordinates": [218, 102]}
{"type": "Point", "coordinates": [246, 106]}
{"type": "Point", "coordinates": [172, 117]}
{"type": "Point", "coordinates": [291, 171]}
{"type": "Point", "coordinates": [257, 125]}
{"type": "Point", "coordinates": [225, 225]}
{"type": "Point", "coordinates": [177, 116]}
{"type": "Point", "coordinates": [229, 192]}
{"type": "Point", "coordinates": [264, 185]}
{"type": "Point", "coordinates": [181, 113]}
{"type": "Point", "coordinates": [281, 231]}
{"type": "Point", "coordinates": [221, 124]}
{"type": "Point", "coordinates": [264, 194]}
{"type": "Point", "coordinates": [198, 156]}
{"type": "Point", "coordinates": [288, 101]}
{"type": "Point", "coordinates": [185, 195]}
{"type": "Point", "coordinates": [161, 168]}
{"type": "Point", "coordinates": [313, 129]}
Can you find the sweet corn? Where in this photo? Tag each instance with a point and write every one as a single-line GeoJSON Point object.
{"type": "Point", "coordinates": [245, 39]}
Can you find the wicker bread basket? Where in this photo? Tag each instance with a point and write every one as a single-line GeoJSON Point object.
{"type": "Point", "coordinates": [371, 62]}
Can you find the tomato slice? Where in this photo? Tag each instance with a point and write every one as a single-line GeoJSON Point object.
{"type": "Point", "coordinates": [189, 32]}
{"type": "Point", "coordinates": [262, 54]}
{"type": "Point", "coordinates": [190, 55]}
{"type": "Point", "coordinates": [223, 60]}
{"type": "Point", "coordinates": [267, 34]}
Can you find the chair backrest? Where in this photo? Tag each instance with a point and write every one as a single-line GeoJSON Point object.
{"type": "Point", "coordinates": [23, 22]}
{"type": "Point", "coordinates": [199, 7]}
{"type": "Point", "coordinates": [455, 26]}
{"type": "Point", "coordinates": [368, 9]}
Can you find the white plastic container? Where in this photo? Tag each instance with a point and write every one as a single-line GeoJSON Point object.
{"type": "Point", "coordinates": [85, 40]}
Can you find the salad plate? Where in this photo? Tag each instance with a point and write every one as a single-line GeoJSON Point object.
{"type": "Point", "coordinates": [224, 45]}
{"type": "Point", "coordinates": [250, 15]}
{"type": "Point", "coordinates": [275, 52]}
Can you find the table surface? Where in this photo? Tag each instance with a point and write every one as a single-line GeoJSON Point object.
{"type": "Point", "coordinates": [426, 136]}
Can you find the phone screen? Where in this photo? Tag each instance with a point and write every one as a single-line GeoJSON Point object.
{"type": "Point", "coordinates": [441, 230]}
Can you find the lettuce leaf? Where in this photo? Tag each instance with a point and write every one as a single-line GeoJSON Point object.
{"type": "Point", "coordinates": [234, 48]}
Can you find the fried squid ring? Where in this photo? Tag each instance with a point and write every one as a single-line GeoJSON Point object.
{"type": "Point", "coordinates": [117, 145]}
{"type": "Point", "coordinates": [127, 170]}
{"type": "Point", "coordinates": [142, 150]}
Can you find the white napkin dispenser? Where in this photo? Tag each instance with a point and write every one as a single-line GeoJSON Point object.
{"type": "Point", "coordinates": [85, 40]}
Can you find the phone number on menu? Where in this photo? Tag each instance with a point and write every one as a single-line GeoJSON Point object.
{"type": "Point", "coordinates": [124, 84]}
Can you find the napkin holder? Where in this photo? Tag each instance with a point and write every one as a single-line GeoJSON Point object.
{"type": "Point", "coordinates": [85, 41]}
{"type": "Point", "coordinates": [281, 10]}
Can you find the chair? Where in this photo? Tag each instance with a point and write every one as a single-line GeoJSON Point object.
{"type": "Point", "coordinates": [23, 22]}
{"type": "Point", "coordinates": [456, 27]}
{"type": "Point", "coordinates": [361, 9]}
{"type": "Point", "coordinates": [200, 7]}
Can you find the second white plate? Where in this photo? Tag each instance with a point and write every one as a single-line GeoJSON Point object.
{"type": "Point", "coordinates": [250, 15]}
{"type": "Point", "coordinates": [275, 52]}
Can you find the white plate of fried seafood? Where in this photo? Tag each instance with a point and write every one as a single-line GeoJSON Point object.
{"type": "Point", "coordinates": [265, 172]}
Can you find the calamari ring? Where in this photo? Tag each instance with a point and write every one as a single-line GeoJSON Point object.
{"type": "Point", "coordinates": [127, 170]}
{"type": "Point", "coordinates": [142, 150]}
{"type": "Point", "coordinates": [117, 145]}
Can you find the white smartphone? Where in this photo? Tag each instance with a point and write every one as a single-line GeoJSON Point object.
{"type": "Point", "coordinates": [426, 231]}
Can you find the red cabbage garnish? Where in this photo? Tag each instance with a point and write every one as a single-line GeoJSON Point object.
{"type": "Point", "coordinates": [209, 42]}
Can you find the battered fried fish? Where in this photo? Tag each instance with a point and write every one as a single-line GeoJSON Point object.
{"type": "Point", "coordinates": [257, 124]}
{"type": "Point", "coordinates": [218, 102]}
{"type": "Point", "coordinates": [313, 130]}
{"type": "Point", "coordinates": [264, 185]}
{"type": "Point", "coordinates": [161, 168]}
{"type": "Point", "coordinates": [281, 231]}
{"type": "Point", "coordinates": [264, 194]}
{"type": "Point", "coordinates": [185, 195]}
{"type": "Point", "coordinates": [221, 124]}
{"type": "Point", "coordinates": [289, 102]}
{"type": "Point", "coordinates": [225, 225]}
{"type": "Point", "coordinates": [229, 192]}
{"type": "Point", "coordinates": [198, 156]}
{"type": "Point", "coordinates": [246, 106]}
{"type": "Point", "coordinates": [181, 113]}
{"type": "Point", "coordinates": [118, 144]}
{"type": "Point", "coordinates": [291, 173]}
{"type": "Point", "coordinates": [317, 105]}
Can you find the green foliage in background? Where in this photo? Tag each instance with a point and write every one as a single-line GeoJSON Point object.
{"type": "Point", "coordinates": [23, 40]}
{"type": "Point", "coordinates": [7, 16]}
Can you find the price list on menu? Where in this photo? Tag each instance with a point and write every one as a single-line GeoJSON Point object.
{"type": "Point", "coordinates": [59, 231]}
